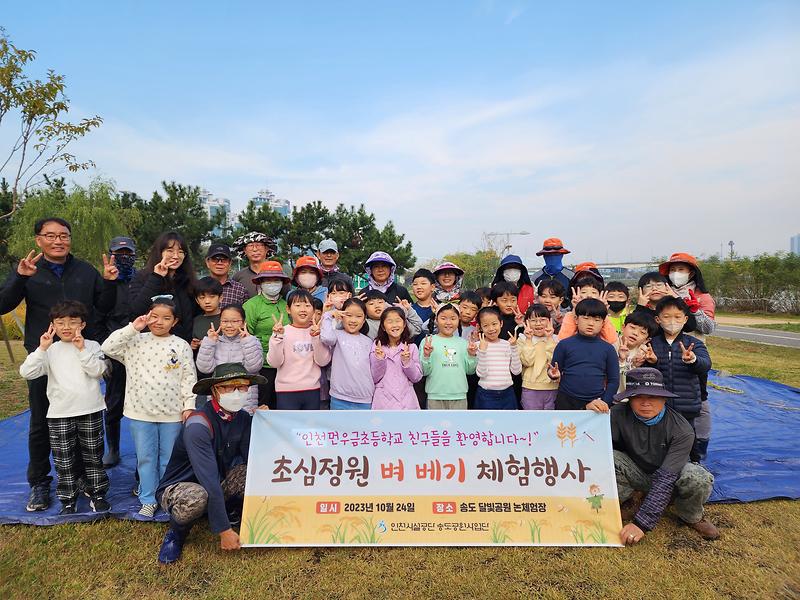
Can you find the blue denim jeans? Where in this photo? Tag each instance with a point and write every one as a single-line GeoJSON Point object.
{"type": "Point", "coordinates": [496, 399]}
{"type": "Point", "coordinates": [153, 442]}
{"type": "Point", "coordinates": [337, 404]}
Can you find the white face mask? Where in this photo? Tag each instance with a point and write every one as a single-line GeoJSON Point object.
{"type": "Point", "coordinates": [679, 278]}
{"type": "Point", "coordinates": [671, 328]}
{"type": "Point", "coordinates": [307, 280]}
{"type": "Point", "coordinates": [233, 401]}
{"type": "Point", "coordinates": [271, 289]}
{"type": "Point", "coordinates": [512, 275]}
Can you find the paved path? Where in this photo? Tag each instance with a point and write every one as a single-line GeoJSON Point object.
{"type": "Point", "coordinates": [762, 336]}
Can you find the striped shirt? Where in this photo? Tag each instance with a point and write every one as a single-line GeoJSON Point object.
{"type": "Point", "coordinates": [496, 364]}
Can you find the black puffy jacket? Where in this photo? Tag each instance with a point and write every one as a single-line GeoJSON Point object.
{"type": "Point", "coordinates": [681, 378]}
{"type": "Point", "coordinates": [146, 285]}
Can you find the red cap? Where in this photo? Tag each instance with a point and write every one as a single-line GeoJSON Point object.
{"type": "Point", "coordinates": [678, 257]}
{"type": "Point", "coordinates": [270, 268]}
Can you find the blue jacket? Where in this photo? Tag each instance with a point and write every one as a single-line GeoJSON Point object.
{"type": "Point", "coordinates": [680, 378]}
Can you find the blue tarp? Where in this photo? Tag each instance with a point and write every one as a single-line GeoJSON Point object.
{"type": "Point", "coordinates": [754, 454]}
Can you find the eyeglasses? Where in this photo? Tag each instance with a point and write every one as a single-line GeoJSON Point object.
{"type": "Point", "coordinates": [236, 322]}
{"type": "Point", "coordinates": [654, 286]}
{"type": "Point", "coordinates": [226, 389]}
{"type": "Point", "coordinates": [52, 237]}
{"type": "Point", "coordinates": [219, 259]}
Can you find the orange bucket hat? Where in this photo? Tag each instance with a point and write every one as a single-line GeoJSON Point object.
{"type": "Point", "coordinates": [552, 246]}
{"type": "Point", "coordinates": [678, 257]}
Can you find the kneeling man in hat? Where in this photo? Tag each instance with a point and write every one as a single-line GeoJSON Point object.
{"type": "Point", "coordinates": [207, 470]}
{"type": "Point", "coordinates": [651, 458]}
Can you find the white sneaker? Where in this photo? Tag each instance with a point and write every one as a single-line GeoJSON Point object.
{"type": "Point", "coordinates": [148, 510]}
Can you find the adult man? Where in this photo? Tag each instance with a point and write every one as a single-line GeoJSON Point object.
{"type": "Point", "coordinates": [651, 457]}
{"type": "Point", "coordinates": [207, 470]}
{"type": "Point", "coordinates": [123, 249]}
{"type": "Point", "coordinates": [256, 247]}
{"type": "Point", "coordinates": [218, 261]}
{"type": "Point", "coordinates": [553, 252]}
{"type": "Point", "coordinates": [42, 280]}
{"type": "Point", "coordinates": [328, 255]}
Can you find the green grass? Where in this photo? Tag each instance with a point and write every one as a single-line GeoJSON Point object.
{"type": "Point", "coordinates": [756, 557]}
{"type": "Point", "coordinates": [791, 327]}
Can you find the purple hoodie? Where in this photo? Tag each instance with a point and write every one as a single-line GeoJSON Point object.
{"type": "Point", "coordinates": [351, 379]}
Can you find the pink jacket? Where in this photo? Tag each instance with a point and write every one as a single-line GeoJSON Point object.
{"type": "Point", "coordinates": [394, 383]}
{"type": "Point", "coordinates": [298, 357]}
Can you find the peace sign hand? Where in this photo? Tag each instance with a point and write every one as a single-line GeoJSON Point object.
{"type": "Point", "coordinates": [405, 355]}
{"type": "Point", "coordinates": [649, 355]}
{"type": "Point", "coordinates": [78, 341]}
{"type": "Point", "coordinates": [644, 297]}
{"type": "Point", "coordinates": [484, 343]}
{"type": "Point", "coordinates": [519, 318]}
{"type": "Point", "coordinates": [46, 339]}
{"type": "Point", "coordinates": [315, 326]}
{"type": "Point", "coordinates": [623, 351]}
{"type": "Point", "coordinates": [548, 327]}
{"type": "Point", "coordinates": [405, 305]}
{"type": "Point", "coordinates": [243, 333]}
{"type": "Point", "coordinates": [553, 371]}
{"type": "Point", "coordinates": [139, 323]}
{"type": "Point", "coordinates": [161, 268]}
{"type": "Point", "coordinates": [27, 266]}
{"type": "Point", "coordinates": [514, 337]}
{"type": "Point", "coordinates": [379, 353]}
{"type": "Point", "coordinates": [575, 296]}
{"type": "Point", "coordinates": [328, 304]}
{"type": "Point", "coordinates": [687, 354]}
{"type": "Point", "coordinates": [427, 349]}
{"type": "Point", "coordinates": [213, 333]}
{"type": "Point", "coordinates": [604, 298]}
{"type": "Point", "coordinates": [277, 327]}
{"type": "Point", "coordinates": [110, 270]}
{"type": "Point", "coordinates": [472, 348]}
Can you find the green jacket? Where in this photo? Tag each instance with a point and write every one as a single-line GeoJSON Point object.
{"type": "Point", "coordinates": [258, 316]}
{"type": "Point", "coordinates": [447, 368]}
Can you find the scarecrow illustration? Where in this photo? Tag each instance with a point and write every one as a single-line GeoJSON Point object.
{"type": "Point", "coordinates": [596, 498]}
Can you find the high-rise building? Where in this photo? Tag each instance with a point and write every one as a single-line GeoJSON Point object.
{"type": "Point", "coordinates": [795, 244]}
{"type": "Point", "coordinates": [216, 206]}
{"type": "Point", "coordinates": [279, 205]}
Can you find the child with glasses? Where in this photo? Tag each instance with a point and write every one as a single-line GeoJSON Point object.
{"type": "Point", "coordinates": [230, 342]}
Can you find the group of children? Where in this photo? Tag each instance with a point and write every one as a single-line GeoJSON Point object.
{"type": "Point", "coordinates": [505, 347]}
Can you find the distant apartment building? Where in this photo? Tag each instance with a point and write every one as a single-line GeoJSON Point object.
{"type": "Point", "coordinates": [279, 205]}
{"type": "Point", "coordinates": [217, 206]}
{"type": "Point", "coordinates": [795, 244]}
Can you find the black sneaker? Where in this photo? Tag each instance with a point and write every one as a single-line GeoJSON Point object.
{"type": "Point", "coordinates": [70, 508]}
{"type": "Point", "coordinates": [99, 504]}
{"type": "Point", "coordinates": [39, 498]}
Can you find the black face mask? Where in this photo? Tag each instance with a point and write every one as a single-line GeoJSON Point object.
{"type": "Point", "coordinates": [616, 305]}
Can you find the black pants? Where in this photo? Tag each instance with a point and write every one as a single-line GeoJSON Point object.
{"type": "Point", "coordinates": [567, 402]}
{"type": "Point", "coordinates": [472, 389]}
{"type": "Point", "coordinates": [115, 397]}
{"type": "Point", "coordinates": [266, 391]}
{"type": "Point", "coordinates": [422, 397]}
{"type": "Point", "coordinates": [305, 400]}
{"type": "Point", "coordinates": [38, 433]}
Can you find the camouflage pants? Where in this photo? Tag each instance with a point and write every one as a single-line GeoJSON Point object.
{"type": "Point", "coordinates": [692, 488]}
{"type": "Point", "coordinates": [186, 502]}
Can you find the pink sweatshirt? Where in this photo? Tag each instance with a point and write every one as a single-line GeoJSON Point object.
{"type": "Point", "coordinates": [298, 358]}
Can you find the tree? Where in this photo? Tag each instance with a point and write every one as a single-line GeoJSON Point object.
{"type": "Point", "coordinates": [310, 224]}
{"type": "Point", "coordinates": [263, 219]}
{"type": "Point", "coordinates": [94, 213]}
{"type": "Point", "coordinates": [178, 209]}
{"type": "Point", "coordinates": [354, 230]}
{"type": "Point", "coordinates": [479, 267]}
{"type": "Point", "coordinates": [41, 136]}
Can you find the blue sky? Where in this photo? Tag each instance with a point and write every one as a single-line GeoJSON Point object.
{"type": "Point", "coordinates": [627, 129]}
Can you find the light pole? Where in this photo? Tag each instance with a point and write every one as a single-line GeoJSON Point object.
{"type": "Point", "coordinates": [507, 247]}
